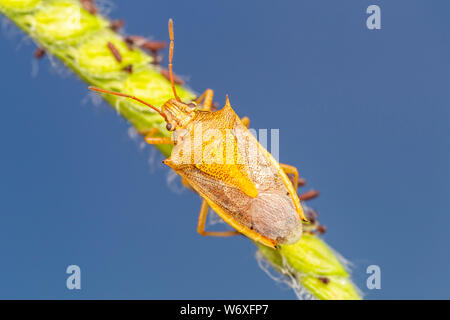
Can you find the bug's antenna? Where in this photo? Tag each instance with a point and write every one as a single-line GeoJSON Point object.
{"type": "Point", "coordinates": [126, 96]}
{"type": "Point", "coordinates": [171, 59]}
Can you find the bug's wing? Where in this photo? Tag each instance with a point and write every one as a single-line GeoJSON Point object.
{"type": "Point", "coordinates": [264, 170]}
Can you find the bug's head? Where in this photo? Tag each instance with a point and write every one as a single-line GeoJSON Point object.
{"type": "Point", "coordinates": [177, 113]}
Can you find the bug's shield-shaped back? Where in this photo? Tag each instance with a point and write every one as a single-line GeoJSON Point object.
{"type": "Point", "coordinates": [225, 164]}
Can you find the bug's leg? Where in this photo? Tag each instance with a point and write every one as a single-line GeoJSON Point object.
{"type": "Point", "coordinates": [291, 170]}
{"type": "Point", "coordinates": [201, 224]}
{"type": "Point", "coordinates": [151, 139]}
{"type": "Point", "coordinates": [207, 98]}
{"type": "Point", "coordinates": [158, 140]}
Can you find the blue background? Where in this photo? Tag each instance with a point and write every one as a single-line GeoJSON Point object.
{"type": "Point", "coordinates": [363, 114]}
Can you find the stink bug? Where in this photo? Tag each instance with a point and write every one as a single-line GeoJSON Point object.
{"type": "Point", "coordinates": [252, 192]}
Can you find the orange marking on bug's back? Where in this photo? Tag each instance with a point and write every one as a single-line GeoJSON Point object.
{"type": "Point", "coordinates": [234, 175]}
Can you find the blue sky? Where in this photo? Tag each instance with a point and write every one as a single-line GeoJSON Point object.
{"type": "Point", "coordinates": [363, 114]}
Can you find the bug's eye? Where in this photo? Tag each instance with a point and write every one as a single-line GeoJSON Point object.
{"type": "Point", "coordinates": [169, 126]}
{"type": "Point", "coordinates": [192, 105]}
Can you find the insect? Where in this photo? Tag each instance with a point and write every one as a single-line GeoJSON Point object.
{"type": "Point", "coordinates": [250, 190]}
